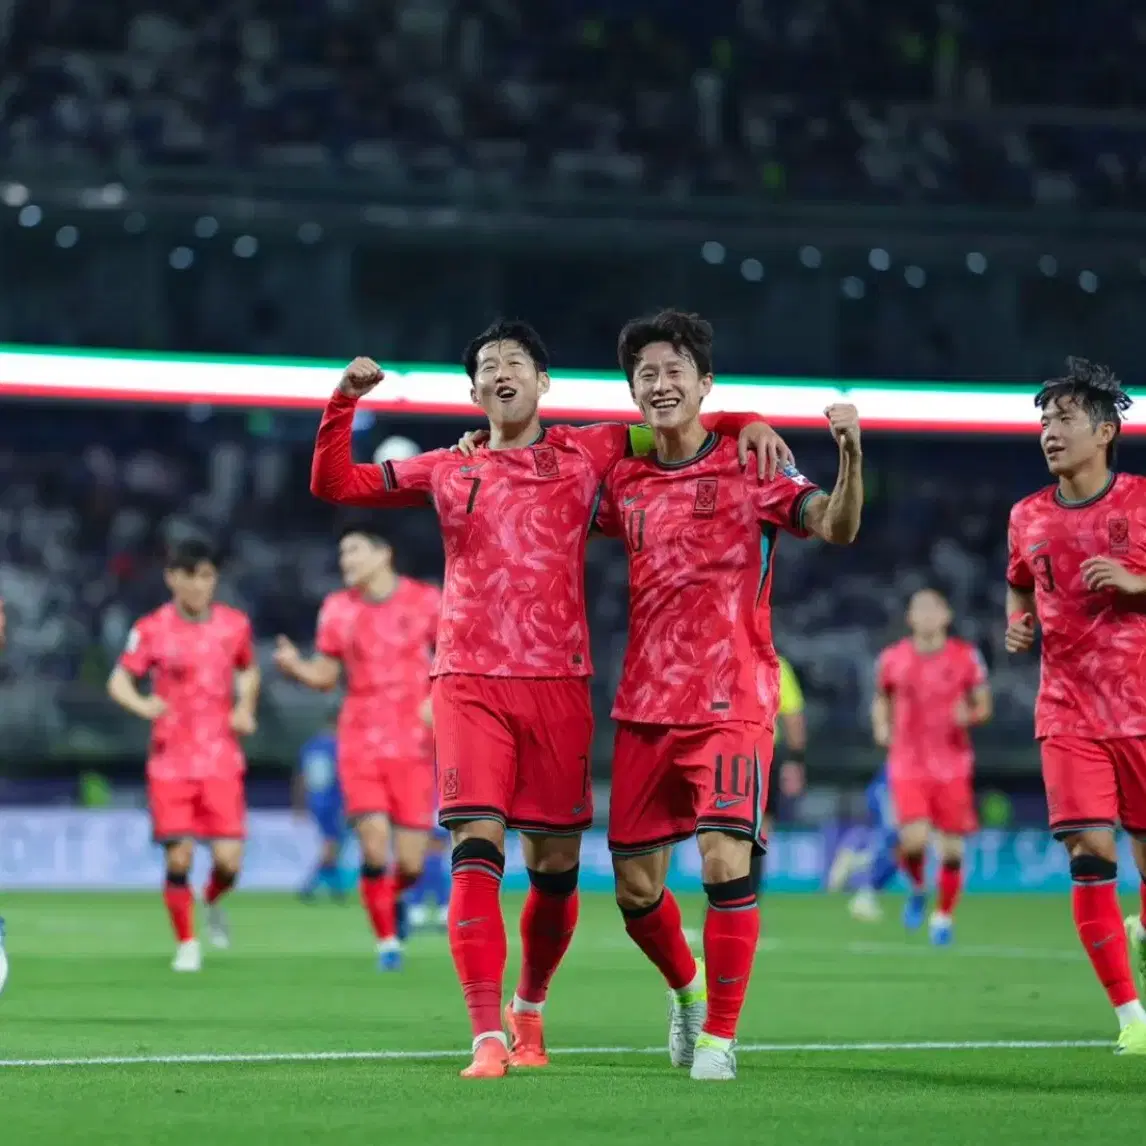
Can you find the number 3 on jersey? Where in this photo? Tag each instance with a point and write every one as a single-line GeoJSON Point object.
{"type": "Point", "coordinates": [1044, 572]}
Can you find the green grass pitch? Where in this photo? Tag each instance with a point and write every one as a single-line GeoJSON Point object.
{"type": "Point", "coordinates": [290, 1027]}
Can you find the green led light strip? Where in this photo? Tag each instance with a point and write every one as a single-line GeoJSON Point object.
{"type": "Point", "coordinates": [419, 389]}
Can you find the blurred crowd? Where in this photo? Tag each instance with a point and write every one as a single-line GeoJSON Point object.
{"type": "Point", "coordinates": [87, 498]}
{"type": "Point", "coordinates": [941, 101]}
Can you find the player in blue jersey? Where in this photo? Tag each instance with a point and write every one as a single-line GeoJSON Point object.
{"type": "Point", "coordinates": [320, 794]}
{"type": "Point", "coordinates": [434, 885]}
{"type": "Point", "coordinates": [876, 864]}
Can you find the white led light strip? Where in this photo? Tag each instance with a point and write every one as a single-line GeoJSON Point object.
{"type": "Point", "coordinates": [445, 390]}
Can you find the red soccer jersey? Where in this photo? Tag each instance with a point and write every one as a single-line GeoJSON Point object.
{"type": "Point", "coordinates": [1093, 643]}
{"type": "Point", "coordinates": [925, 691]}
{"type": "Point", "coordinates": [514, 523]}
{"type": "Point", "coordinates": [192, 665]}
{"type": "Point", "coordinates": [700, 537]}
{"type": "Point", "coordinates": [385, 648]}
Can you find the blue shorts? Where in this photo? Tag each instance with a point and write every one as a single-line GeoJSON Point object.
{"type": "Point", "coordinates": [879, 803]}
{"type": "Point", "coordinates": [328, 815]}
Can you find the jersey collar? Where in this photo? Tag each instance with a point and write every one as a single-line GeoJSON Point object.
{"type": "Point", "coordinates": [706, 448]}
{"type": "Point", "coordinates": [1066, 503]}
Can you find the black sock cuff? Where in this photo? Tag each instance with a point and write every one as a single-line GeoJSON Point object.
{"type": "Point", "coordinates": [224, 877]}
{"type": "Point", "coordinates": [478, 855]}
{"type": "Point", "coordinates": [641, 912]}
{"type": "Point", "coordinates": [952, 865]}
{"type": "Point", "coordinates": [732, 895]}
{"type": "Point", "coordinates": [372, 870]}
{"type": "Point", "coordinates": [1093, 869]}
{"type": "Point", "coordinates": [557, 883]}
{"type": "Point", "coordinates": [178, 878]}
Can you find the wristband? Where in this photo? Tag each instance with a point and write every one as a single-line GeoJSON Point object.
{"type": "Point", "coordinates": [795, 755]}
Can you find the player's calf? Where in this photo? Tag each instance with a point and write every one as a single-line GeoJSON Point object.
{"type": "Point", "coordinates": [948, 890]}
{"type": "Point", "coordinates": [912, 857]}
{"type": "Point", "coordinates": [1098, 922]}
{"type": "Point", "coordinates": [478, 945]}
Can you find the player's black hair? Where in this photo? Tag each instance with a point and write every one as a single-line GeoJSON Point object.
{"type": "Point", "coordinates": [686, 333]}
{"type": "Point", "coordinates": [507, 330]}
{"type": "Point", "coordinates": [188, 553]}
{"type": "Point", "coordinates": [367, 529]}
{"type": "Point", "coordinates": [1095, 389]}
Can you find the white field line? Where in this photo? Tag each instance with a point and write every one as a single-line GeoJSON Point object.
{"type": "Point", "coordinates": [427, 1055]}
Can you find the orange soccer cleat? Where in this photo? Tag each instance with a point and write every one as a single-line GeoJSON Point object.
{"type": "Point", "coordinates": [491, 1060]}
{"type": "Point", "coordinates": [526, 1038]}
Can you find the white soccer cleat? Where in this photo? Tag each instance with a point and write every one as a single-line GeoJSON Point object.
{"type": "Point", "coordinates": [864, 906]}
{"type": "Point", "coordinates": [188, 957]}
{"type": "Point", "coordinates": [714, 1060]}
{"type": "Point", "coordinates": [418, 916]}
{"type": "Point", "coordinates": [847, 864]}
{"type": "Point", "coordinates": [3, 959]}
{"type": "Point", "coordinates": [687, 1011]}
{"type": "Point", "coordinates": [218, 928]}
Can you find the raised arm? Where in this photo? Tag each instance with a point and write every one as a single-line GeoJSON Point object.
{"type": "Point", "coordinates": [836, 518]}
{"type": "Point", "coordinates": [334, 475]}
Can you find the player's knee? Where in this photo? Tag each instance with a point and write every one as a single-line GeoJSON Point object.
{"type": "Point", "coordinates": [731, 894]}
{"type": "Point", "coordinates": [637, 888]}
{"type": "Point", "coordinates": [1099, 845]}
{"type": "Point", "coordinates": [178, 859]}
{"type": "Point", "coordinates": [556, 883]}
{"type": "Point", "coordinates": [1088, 868]}
{"type": "Point", "coordinates": [409, 872]}
{"type": "Point", "coordinates": [723, 857]}
{"type": "Point", "coordinates": [224, 873]}
{"type": "Point", "coordinates": [492, 831]}
{"type": "Point", "coordinates": [477, 854]}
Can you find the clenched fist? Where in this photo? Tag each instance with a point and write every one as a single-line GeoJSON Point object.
{"type": "Point", "coordinates": [360, 377]}
{"type": "Point", "coordinates": [843, 420]}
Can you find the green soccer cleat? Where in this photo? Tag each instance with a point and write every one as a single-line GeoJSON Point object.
{"type": "Point", "coordinates": [1132, 1039]}
{"type": "Point", "coordinates": [1136, 941]}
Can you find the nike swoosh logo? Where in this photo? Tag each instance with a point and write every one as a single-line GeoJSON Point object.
{"type": "Point", "coordinates": [630, 500]}
{"type": "Point", "coordinates": [1098, 943]}
{"type": "Point", "coordinates": [471, 922]}
{"type": "Point", "coordinates": [725, 980]}
{"type": "Point", "coordinates": [1038, 545]}
{"type": "Point", "coordinates": [469, 469]}
{"type": "Point", "coordinates": [722, 803]}
{"type": "Point", "coordinates": [579, 809]}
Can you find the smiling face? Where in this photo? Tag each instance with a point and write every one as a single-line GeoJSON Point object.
{"type": "Point", "coordinates": [507, 384]}
{"type": "Point", "coordinates": [1072, 438]}
{"type": "Point", "coordinates": [667, 386]}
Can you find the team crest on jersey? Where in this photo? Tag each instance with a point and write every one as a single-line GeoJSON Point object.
{"type": "Point", "coordinates": [705, 505]}
{"type": "Point", "coordinates": [450, 784]}
{"type": "Point", "coordinates": [793, 474]}
{"type": "Point", "coordinates": [1118, 529]}
{"type": "Point", "coordinates": [545, 462]}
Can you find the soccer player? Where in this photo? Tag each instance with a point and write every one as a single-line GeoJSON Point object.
{"type": "Point", "coordinates": [320, 795]}
{"type": "Point", "coordinates": [878, 861]}
{"type": "Point", "coordinates": [512, 717]}
{"type": "Point", "coordinates": [204, 692]}
{"type": "Point", "coordinates": [930, 688]}
{"type": "Point", "coordinates": [1076, 570]}
{"type": "Point", "coordinates": [381, 630]}
{"type": "Point", "coordinates": [699, 688]}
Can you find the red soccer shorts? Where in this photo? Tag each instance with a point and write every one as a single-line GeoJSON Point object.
{"type": "Point", "coordinates": [1095, 783]}
{"type": "Point", "coordinates": [206, 809]}
{"type": "Point", "coordinates": [514, 749]}
{"type": "Point", "coordinates": [670, 782]}
{"type": "Point", "coordinates": [400, 790]}
{"type": "Point", "coordinates": [947, 805]}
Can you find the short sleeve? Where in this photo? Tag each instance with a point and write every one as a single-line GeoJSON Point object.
{"type": "Point", "coordinates": [245, 645]}
{"type": "Point", "coordinates": [415, 474]}
{"type": "Point", "coordinates": [138, 656]}
{"type": "Point", "coordinates": [884, 681]}
{"type": "Point", "coordinates": [604, 444]}
{"type": "Point", "coordinates": [976, 669]}
{"type": "Point", "coordinates": [1019, 575]}
{"type": "Point", "coordinates": [329, 636]}
{"type": "Point", "coordinates": [783, 499]}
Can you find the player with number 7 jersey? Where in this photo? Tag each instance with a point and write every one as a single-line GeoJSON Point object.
{"type": "Point", "coordinates": [512, 719]}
